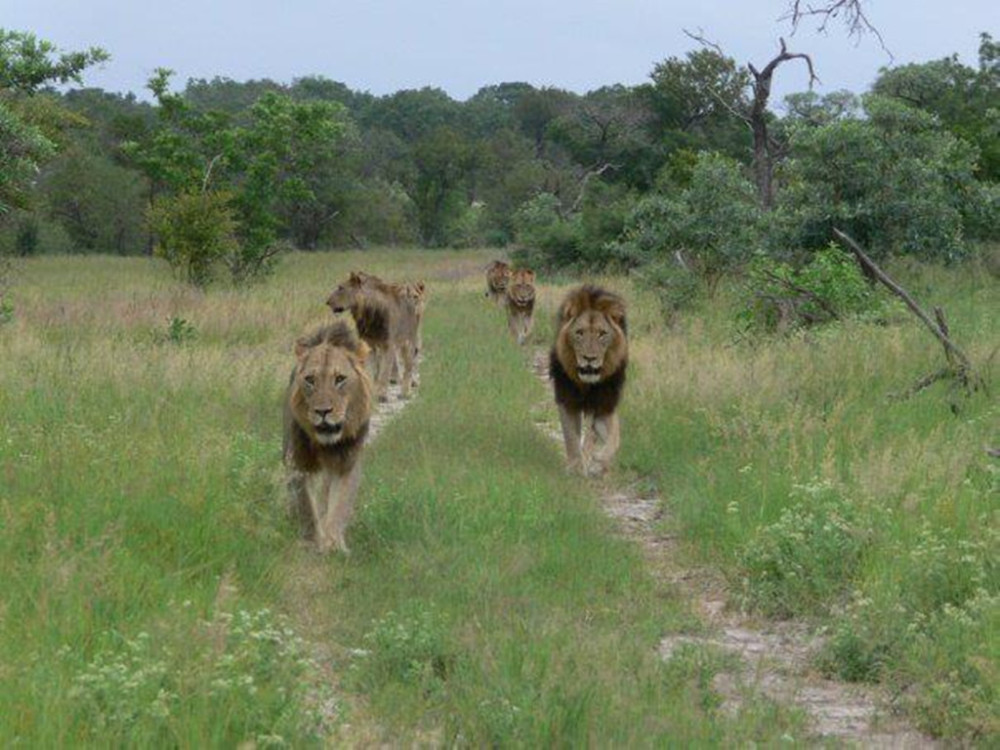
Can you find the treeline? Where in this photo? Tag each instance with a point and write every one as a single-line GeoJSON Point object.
{"type": "Point", "coordinates": [630, 175]}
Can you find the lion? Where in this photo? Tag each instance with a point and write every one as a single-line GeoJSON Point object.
{"type": "Point", "coordinates": [327, 410]}
{"type": "Point", "coordinates": [385, 321]}
{"type": "Point", "coordinates": [414, 294]}
{"type": "Point", "coordinates": [520, 299]}
{"type": "Point", "coordinates": [587, 364]}
{"type": "Point", "coordinates": [497, 276]}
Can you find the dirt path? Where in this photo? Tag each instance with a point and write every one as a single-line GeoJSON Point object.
{"type": "Point", "coordinates": [776, 658]}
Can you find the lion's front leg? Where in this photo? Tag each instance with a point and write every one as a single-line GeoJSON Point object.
{"type": "Point", "coordinates": [384, 361]}
{"type": "Point", "coordinates": [571, 422]}
{"type": "Point", "coordinates": [526, 326]}
{"type": "Point", "coordinates": [323, 540]}
{"type": "Point", "coordinates": [606, 440]}
{"type": "Point", "coordinates": [340, 506]}
{"type": "Point", "coordinates": [406, 354]}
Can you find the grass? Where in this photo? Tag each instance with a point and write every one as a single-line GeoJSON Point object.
{"type": "Point", "coordinates": [155, 592]}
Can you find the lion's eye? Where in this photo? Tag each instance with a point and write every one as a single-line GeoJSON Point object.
{"type": "Point", "coordinates": [310, 380]}
{"type": "Point", "coordinates": [603, 335]}
{"type": "Point", "coordinates": [340, 380]}
{"type": "Point", "coordinates": [579, 334]}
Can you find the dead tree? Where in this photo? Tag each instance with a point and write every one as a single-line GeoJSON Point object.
{"type": "Point", "coordinates": [850, 12]}
{"type": "Point", "coordinates": [766, 150]}
{"type": "Point", "coordinates": [958, 365]}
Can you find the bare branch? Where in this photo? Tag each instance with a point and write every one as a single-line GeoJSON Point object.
{"type": "Point", "coordinates": [208, 172]}
{"type": "Point", "coordinates": [963, 368]}
{"type": "Point", "coordinates": [850, 11]}
{"type": "Point", "coordinates": [591, 173]}
{"type": "Point", "coordinates": [703, 40]}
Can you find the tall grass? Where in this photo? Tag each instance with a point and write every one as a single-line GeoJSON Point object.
{"type": "Point", "coordinates": [148, 564]}
{"type": "Point", "coordinates": [786, 461]}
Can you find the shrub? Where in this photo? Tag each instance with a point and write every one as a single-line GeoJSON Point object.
{"type": "Point", "coordinates": [195, 231]}
{"type": "Point", "coordinates": [802, 563]}
{"type": "Point", "coordinates": [778, 297]}
{"type": "Point", "coordinates": [714, 223]}
{"type": "Point", "coordinates": [546, 237]}
{"type": "Point", "coordinates": [405, 648]}
{"type": "Point", "coordinates": [248, 667]}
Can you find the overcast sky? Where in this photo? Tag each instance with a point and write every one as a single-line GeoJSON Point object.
{"type": "Point", "coordinates": [461, 45]}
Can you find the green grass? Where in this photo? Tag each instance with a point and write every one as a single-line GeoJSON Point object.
{"type": "Point", "coordinates": [786, 462]}
{"type": "Point", "coordinates": [488, 600]}
{"type": "Point", "coordinates": [150, 566]}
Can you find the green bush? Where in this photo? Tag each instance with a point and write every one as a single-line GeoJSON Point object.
{"type": "Point", "coordinates": [410, 649]}
{"type": "Point", "coordinates": [778, 296]}
{"type": "Point", "coordinates": [714, 223]}
{"type": "Point", "coordinates": [195, 232]}
{"type": "Point", "coordinates": [800, 564]}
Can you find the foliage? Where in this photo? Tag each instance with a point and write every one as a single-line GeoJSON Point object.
{"type": "Point", "coordinates": [545, 236]}
{"type": "Point", "coordinates": [195, 232]}
{"type": "Point", "coordinates": [714, 223]}
{"type": "Point", "coordinates": [178, 331]}
{"type": "Point", "coordinates": [98, 203]}
{"type": "Point", "coordinates": [252, 662]}
{"type": "Point", "coordinates": [27, 64]}
{"type": "Point", "coordinates": [798, 564]}
{"type": "Point", "coordinates": [410, 649]}
{"type": "Point", "coordinates": [830, 286]}
{"type": "Point", "coordinates": [964, 99]}
{"type": "Point", "coordinates": [895, 181]}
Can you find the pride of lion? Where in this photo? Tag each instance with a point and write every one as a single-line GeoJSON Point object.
{"type": "Point", "coordinates": [342, 370]}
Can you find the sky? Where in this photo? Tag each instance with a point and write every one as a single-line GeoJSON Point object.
{"type": "Point", "coordinates": [460, 45]}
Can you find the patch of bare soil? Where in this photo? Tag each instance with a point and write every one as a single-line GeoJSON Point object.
{"type": "Point", "coordinates": [774, 660]}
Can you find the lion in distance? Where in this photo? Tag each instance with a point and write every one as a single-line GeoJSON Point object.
{"type": "Point", "coordinates": [520, 302]}
{"type": "Point", "coordinates": [587, 364]}
{"type": "Point", "coordinates": [328, 405]}
{"type": "Point", "coordinates": [386, 321]}
{"type": "Point", "coordinates": [497, 278]}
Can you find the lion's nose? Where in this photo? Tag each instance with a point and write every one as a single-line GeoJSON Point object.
{"type": "Point", "coordinates": [323, 412]}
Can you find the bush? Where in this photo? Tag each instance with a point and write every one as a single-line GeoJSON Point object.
{"type": "Point", "coordinates": [779, 297]}
{"type": "Point", "coordinates": [896, 182]}
{"type": "Point", "coordinates": [714, 223]}
{"type": "Point", "coordinates": [195, 232]}
{"type": "Point", "coordinates": [405, 648]}
{"type": "Point", "coordinates": [546, 237]}
{"type": "Point", "coordinates": [676, 287]}
{"type": "Point", "coordinates": [799, 564]}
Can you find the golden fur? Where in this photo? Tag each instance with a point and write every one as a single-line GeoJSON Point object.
{"type": "Point", "coordinates": [386, 321]}
{"type": "Point", "coordinates": [497, 277]}
{"type": "Point", "coordinates": [327, 408]}
{"type": "Point", "coordinates": [587, 363]}
{"type": "Point", "coordinates": [520, 303]}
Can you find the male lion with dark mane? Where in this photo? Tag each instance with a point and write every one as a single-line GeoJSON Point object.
{"type": "Point", "coordinates": [327, 408]}
{"type": "Point", "coordinates": [587, 364]}
{"type": "Point", "coordinates": [520, 299]}
{"type": "Point", "coordinates": [386, 321]}
{"type": "Point", "coordinates": [497, 277]}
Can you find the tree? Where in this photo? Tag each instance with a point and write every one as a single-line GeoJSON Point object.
{"type": "Point", "coordinates": [964, 98]}
{"type": "Point", "coordinates": [895, 180]}
{"type": "Point", "coordinates": [713, 226]}
{"type": "Point", "coordinates": [269, 167]}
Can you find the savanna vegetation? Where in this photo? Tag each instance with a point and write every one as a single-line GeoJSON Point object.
{"type": "Point", "coordinates": [156, 592]}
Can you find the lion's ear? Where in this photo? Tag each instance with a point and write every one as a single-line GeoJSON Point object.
{"type": "Point", "coordinates": [616, 311]}
{"type": "Point", "coordinates": [363, 351]}
{"type": "Point", "coordinates": [569, 310]}
{"type": "Point", "coordinates": [302, 348]}
{"type": "Point", "coordinates": [354, 279]}
{"type": "Point", "coordinates": [421, 286]}
{"type": "Point", "coordinates": [531, 275]}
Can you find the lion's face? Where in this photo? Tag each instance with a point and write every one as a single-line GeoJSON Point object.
{"type": "Point", "coordinates": [592, 344]}
{"type": "Point", "coordinates": [592, 335]}
{"type": "Point", "coordinates": [521, 287]}
{"type": "Point", "coordinates": [345, 295]}
{"type": "Point", "coordinates": [331, 394]}
{"type": "Point", "coordinates": [498, 275]}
